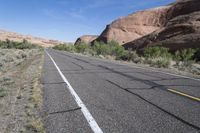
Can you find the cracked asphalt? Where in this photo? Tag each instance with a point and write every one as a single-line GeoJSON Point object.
{"type": "Point", "coordinates": [121, 98]}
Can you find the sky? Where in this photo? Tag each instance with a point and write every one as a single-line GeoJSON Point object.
{"type": "Point", "coordinates": [66, 20]}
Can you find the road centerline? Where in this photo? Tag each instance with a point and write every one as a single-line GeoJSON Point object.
{"type": "Point", "coordinates": [184, 95]}
{"type": "Point", "coordinates": [91, 121]}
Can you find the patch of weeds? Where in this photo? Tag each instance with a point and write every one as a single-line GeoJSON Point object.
{"type": "Point", "coordinates": [7, 79]}
{"type": "Point", "coordinates": [156, 52]}
{"type": "Point", "coordinates": [29, 110]}
{"type": "Point", "coordinates": [1, 64]}
{"type": "Point", "coordinates": [2, 92]}
{"type": "Point", "coordinates": [19, 96]}
{"type": "Point", "coordinates": [22, 130]}
{"type": "Point", "coordinates": [36, 125]}
{"type": "Point", "coordinates": [6, 113]}
{"type": "Point", "coordinates": [8, 44]}
{"type": "Point", "coordinates": [160, 62]}
{"type": "Point", "coordinates": [36, 97]}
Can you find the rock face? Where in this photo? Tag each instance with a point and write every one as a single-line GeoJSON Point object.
{"type": "Point", "coordinates": [181, 28]}
{"type": "Point", "coordinates": [175, 26]}
{"type": "Point", "coordinates": [35, 40]}
{"type": "Point", "coordinates": [135, 25]}
{"type": "Point", "coordinates": [86, 39]}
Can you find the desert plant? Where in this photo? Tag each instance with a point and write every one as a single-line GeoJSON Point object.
{"type": "Point", "coordinates": [65, 47]}
{"type": "Point", "coordinates": [100, 48]}
{"type": "Point", "coordinates": [159, 62]}
{"type": "Point", "coordinates": [111, 48]}
{"type": "Point", "coordinates": [155, 52]}
{"type": "Point", "coordinates": [81, 47]}
{"type": "Point", "coordinates": [2, 92]}
{"type": "Point", "coordinates": [196, 56]}
{"type": "Point", "coordinates": [17, 45]}
{"type": "Point", "coordinates": [185, 57]}
{"type": "Point", "coordinates": [130, 55]}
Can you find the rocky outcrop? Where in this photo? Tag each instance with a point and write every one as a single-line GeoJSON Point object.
{"type": "Point", "coordinates": [86, 39]}
{"type": "Point", "coordinates": [175, 26]}
{"type": "Point", "coordinates": [35, 40]}
{"type": "Point", "coordinates": [181, 29]}
{"type": "Point", "coordinates": [135, 25]}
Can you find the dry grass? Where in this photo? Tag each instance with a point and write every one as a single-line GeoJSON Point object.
{"type": "Point", "coordinates": [20, 91]}
{"type": "Point", "coordinates": [35, 125]}
{"type": "Point", "coordinates": [10, 58]}
{"type": "Point", "coordinates": [2, 92]}
{"type": "Point", "coordinates": [36, 94]}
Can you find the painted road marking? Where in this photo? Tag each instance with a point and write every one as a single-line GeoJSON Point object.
{"type": "Point", "coordinates": [149, 69]}
{"type": "Point", "coordinates": [185, 95]}
{"type": "Point", "coordinates": [93, 124]}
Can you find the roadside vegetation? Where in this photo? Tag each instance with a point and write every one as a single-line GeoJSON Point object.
{"type": "Point", "coordinates": [155, 56]}
{"type": "Point", "coordinates": [8, 44]}
{"type": "Point", "coordinates": [20, 87]}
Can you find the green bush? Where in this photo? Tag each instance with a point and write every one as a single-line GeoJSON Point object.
{"type": "Point", "coordinates": [17, 45]}
{"type": "Point", "coordinates": [184, 55]}
{"type": "Point", "coordinates": [111, 48]}
{"type": "Point", "coordinates": [65, 47]}
{"type": "Point", "coordinates": [130, 56]}
{"type": "Point", "coordinates": [196, 56]}
{"type": "Point", "coordinates": [81, 48]}
{"type": "Point", "coordinates": [100, 48]}
{"type": "Point", "coordinates": [155, 52]}
{"type": "Point", "coordinates": [158, 56]}
{"type": "Point", "coordinates": [159, 62]}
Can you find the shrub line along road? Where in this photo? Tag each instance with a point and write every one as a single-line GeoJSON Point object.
{"type": "Point", "coordinates": [116, 98]}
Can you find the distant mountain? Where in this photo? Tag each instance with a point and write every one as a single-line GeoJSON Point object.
{"type": "Point", "coordinates": [174, 26]}
{"type": "Point", "coordinates": [35, 40]}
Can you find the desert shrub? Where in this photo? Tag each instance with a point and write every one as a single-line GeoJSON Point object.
{"type": "Point", "coordinates": [184, 58]}
{"type": "Point", "coordinates": [65, 47]}
{"type": "Point", "coordinates": [81, 47]}
{"type": "Point", "coordinates": [17, 45]}
{"type": "Point", "coordinates": [158, 56]}
{"type": "Point", "coordinates": [111, 48]}
{"type": "Point", "coordinates": [100, 48]}
{"type": "Point", "coordinates": [70, 48]}
{"type": "Point", "coordinates": [131, 56]}
{"type": "Point", "coordinates": [155, 52]}
{"type": "Point", "coordinates": [115, 49]}
{"type": "Point", "coordinates": [160, 62]}
{"type": "Point", "coordinates": [60, 47]}
{"type": "Point", "coordinates": [196, 56]}
{"type": "Point", "coordinates": [2, 92]}
{"type": "Point", "coordinates": [184, 55]}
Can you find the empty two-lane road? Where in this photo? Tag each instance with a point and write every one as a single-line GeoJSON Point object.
{"type": "Point", "coordinates": [84, 94]}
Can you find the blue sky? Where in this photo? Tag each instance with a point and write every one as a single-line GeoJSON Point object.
{"type": "Point", "coordinates": [67, 19]}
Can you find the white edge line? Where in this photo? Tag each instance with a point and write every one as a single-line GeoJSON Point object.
{"type": "Point", "coordinates": [93, 124]}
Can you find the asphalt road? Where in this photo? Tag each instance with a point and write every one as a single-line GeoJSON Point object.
{"type": "Point", "coordinates": [120, 98]}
